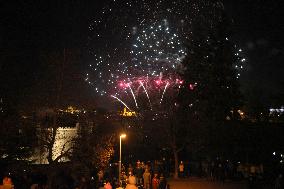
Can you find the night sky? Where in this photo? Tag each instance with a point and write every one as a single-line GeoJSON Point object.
{"type": "Point", "coordinates": [29, 29]}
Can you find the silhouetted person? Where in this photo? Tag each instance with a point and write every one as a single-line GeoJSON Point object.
{"type": "Point", "coordinates": [155, 182]}
{"type": "Point", "coordinates": [163, 182]}
{"type": "Point", "coordinates": [279, 182]}
{"type": "Point", "coordinates": [147, 179]}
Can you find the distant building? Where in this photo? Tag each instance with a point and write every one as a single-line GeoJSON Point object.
{"type": "Point", "coordinates": [276, 111]}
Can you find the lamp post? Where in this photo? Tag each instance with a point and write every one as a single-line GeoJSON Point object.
{"type": "Point", "coordinates": [119, 166]}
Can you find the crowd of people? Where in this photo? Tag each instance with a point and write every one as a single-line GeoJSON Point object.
{"type": "Point", "coordinates": [142, 175]}
{"type": "Point", "coordinates": [220, 170]}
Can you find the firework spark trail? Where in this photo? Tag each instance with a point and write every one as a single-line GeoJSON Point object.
{"type": "Point", "coordinates": [164, 92]}
{"type": "Point", "coordinates": [137, 90]}
{"type": "Point", "coordinates": [146, 94]}
{"type": "Point", "coordinates": [133, 95]}
{"type": "Point", "coordinates": [121, 102]}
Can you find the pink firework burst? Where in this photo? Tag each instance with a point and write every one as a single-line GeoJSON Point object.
{"type": "Point", "coordinates": [146, 92]}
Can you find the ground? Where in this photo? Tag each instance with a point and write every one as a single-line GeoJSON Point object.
{"type": "Point", "coordinates": [197, 183]}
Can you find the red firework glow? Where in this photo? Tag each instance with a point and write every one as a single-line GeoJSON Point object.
{"type": "Point", "coordinates": [192, 86]}
{"type": "Point", "coordinates": [158, 82]}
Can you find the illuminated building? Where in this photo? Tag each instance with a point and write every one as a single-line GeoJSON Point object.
{"type": "Point", "coordinates": [126, 113]}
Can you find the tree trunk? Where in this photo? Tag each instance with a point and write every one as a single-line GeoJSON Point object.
{"type": "Point", "coordinates": [176, 163]}
{"type": "Point", "coordinates": [52, 141]}
{"type": "Point", "coordinates": [175, 151]}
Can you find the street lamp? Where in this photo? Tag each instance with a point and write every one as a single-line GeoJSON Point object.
{"type": "Point", "coordinates": [119, 166]}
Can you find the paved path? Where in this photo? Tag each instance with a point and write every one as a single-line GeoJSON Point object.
{"type": "Point", "coordinates": [197, 183]}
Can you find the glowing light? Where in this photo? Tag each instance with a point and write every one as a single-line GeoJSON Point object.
{"type": "Point", "coordinates": [122, 85]}
{"type": "Point", "coordinates": [126, 113]}
{"type": "Point", "coordinates": [179, 81]}
{"type": "Point", "coordinates": [241, 113]}
{"type": "Point", "coordinates": [191, 86]}
{"type": "Point", "coordinates": [158, 82]}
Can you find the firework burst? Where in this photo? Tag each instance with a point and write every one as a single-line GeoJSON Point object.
{"type": "Point", "coordinates": [137, 47]}
{"type": "Point", "coordinates": [146, 92]}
